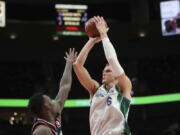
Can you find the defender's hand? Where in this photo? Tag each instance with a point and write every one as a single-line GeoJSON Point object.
{"type": "Point", "coordinates": [71, 56]}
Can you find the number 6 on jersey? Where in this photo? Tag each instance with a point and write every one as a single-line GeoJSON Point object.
{"type": "Point", "coordinates": [109, 101]}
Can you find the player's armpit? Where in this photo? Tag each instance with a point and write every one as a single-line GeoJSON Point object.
{"type": "Point", "coordinates": [85, 79]}
{"type": "Point", "coordinates": [125, 85]}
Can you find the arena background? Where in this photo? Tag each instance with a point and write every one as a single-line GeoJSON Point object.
{"type": "Point", "coordinates": [31, 60]}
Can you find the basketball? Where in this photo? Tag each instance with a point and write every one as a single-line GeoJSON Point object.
{"type": "Point", "coordinates": [91, 29]}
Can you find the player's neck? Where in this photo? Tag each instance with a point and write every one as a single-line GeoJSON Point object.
{"type": "Point", "coordinates": [49, 118]}
{"type": "Point", "coordinates": [109, 85]}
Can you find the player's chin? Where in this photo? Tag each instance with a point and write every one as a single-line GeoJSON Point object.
{"type": "Point", "coordinates": [104, 81]}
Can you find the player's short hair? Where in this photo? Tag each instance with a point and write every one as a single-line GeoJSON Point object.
{"type": "Point", "coordinates": [107, 64]}
{"type": "Point", "coordinates": [36, 103]}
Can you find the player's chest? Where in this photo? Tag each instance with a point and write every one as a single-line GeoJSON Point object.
{"type": "Point", "coordinates": [103, 93]}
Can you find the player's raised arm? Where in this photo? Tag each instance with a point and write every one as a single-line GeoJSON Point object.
{"type": "Point", "coordinates": [81, 72]}
{"type": "Point", "coordinates": [111, 56]}
{"type": "Point", "coordinates": [66, 80]}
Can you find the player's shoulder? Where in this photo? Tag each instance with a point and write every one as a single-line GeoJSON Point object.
{"type": "Point", "coordinates": [42, 130]}
{"type": "Point", "coordinates": [96, 84]}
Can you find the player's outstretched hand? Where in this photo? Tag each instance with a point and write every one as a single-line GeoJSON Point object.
{"type": "Point", "coordinates": [71, 55]}
{"type": "Point", "coordinates": [101, 24]}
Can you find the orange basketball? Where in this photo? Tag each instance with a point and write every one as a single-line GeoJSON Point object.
{"type": "Point", "coordinates": [91, 29]}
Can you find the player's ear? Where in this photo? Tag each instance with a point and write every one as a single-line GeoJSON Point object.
{"type": "Point", "coordinates": [107, 29]}
{"type": "Point", "coordinates": [46, 106]}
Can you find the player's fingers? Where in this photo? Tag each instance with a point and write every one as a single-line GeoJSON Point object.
{"type": "Point", "coordinates": [70, 50]}
{"type": "Point", "coordinates": [65, 58]}
{"type": "Point", "coordinates": [95, 19]}
{"type": "Point", "coordinates": [98, 19]}
{"type": "Point", "coordinates": [67, 54]}
{"type": "Point", "coordinates": [103, 19]}
{"type": "Point", "coordinates": [73, 50]}
{"type": "Point", "coordinates": [76, 53]}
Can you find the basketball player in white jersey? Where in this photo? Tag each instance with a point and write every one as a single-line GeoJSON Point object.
{"type": "Point", "coordinates": [110, 101]}
{"type": "Point", "coordinates": [48, 113]}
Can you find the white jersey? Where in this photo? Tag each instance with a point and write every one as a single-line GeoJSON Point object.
{"type": "Point", "coordinates": [109, 112]}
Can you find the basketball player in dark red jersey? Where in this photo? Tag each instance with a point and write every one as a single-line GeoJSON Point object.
{"type": "Point", "coordinates": [48, 113]}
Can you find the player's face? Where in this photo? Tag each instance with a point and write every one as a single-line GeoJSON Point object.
{"type": "Point", "coordinates": [53, 107]}
{"type": "Point", "coordinates": [107, 76]}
